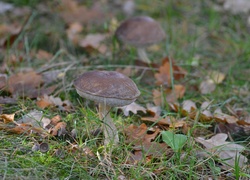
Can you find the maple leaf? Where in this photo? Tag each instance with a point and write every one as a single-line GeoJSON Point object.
{"type": "Point", "coordinates": [217, 145]}
{"type": "Point", "coordinates": [133, 107]}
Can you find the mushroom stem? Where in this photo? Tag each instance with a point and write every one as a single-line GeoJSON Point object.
{"type": "Point", "coordinates": [109, 129]}
{"type": "Point", "coordinates": [143, 55]}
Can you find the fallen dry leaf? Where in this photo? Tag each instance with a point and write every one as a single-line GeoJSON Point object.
{"type": "Point", "coordinates": [73, 32]}
{"type": "Point", "coordinates": [7, 118]}
{"type": "Point", "coordinates": [127, 71]}
{"type": "Point", "coordinates": [164, 76]}
{"type": "Point", "coordinates": [35, 118]}
{"type": "Point", "coordinates": [168, 120]}
{"type": "Point", "coordinates": [153, 110]}
{"type": "Point", "coordinates": [43, 55]}
{"type": "Point", "coordinates": [219, 116]}
{"type": "Point", "coordinates": [3, 81]}
{"type": "Point", "coordinates": [227, 151]}
{"type": "Point", "coordinates": [144, 142]}
{"type": "Point", "coordinates": [59, 129]}
{"type": "Point", "coordinates": [8, 34]}
{"type": "Point", "coordinates": [172, 95]}
{"type": "Point", "coordinates": [94, 42]}
{"type": "Point", "coordinates": [216, 76]}
{"type": "Point", "coordinates": [72, 11]}
{"type": "Point", "coordinates": [28, 84]}
{"type": "Point", "coordinates": [133, 107]}
{"type": "Point", "coordinates": [46, 101]}
{"type": "Point", "coordinates": [207, 86]}
{"type": "Point", "coordinates": [206, 114]}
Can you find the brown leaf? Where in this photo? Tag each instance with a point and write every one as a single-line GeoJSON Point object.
{"type": "Point", "coordinates": [43, 55]}
{"type": "Point", "coordinates": [222, 117]}
{"type": "Point", "coordinates": [8, 34]}
{"type": "Point", "coordinates": [138, 135]}
{"type": "Point", "coordinates": [73, 32]}
{"type": "Point", "coordinates": [59, 129]}
{"type": "Point", "coordinates": [227, 151]}
{"type": "Point", "coordinates": [46, 101]}
{"type": "Point", "coordinates": [127, 71]}
{"type": "Point", "coordinates": [172, 95]}
{"type": "Point", "coordinates": [168, 120]}
{"type": "Point", "coordinates": [93, 42]}
{"type": "Point", "coordinates": [133, 107]}
{"type": "Point", "coordinates": [27, 129]}
{"type": "Point", "coordinates": [8, 118]}
{"type": "Point", "coordinates": [56, 119]}
{"type": "Point", "coordinates": [207, 86]}
{"type": "Point", "coordinates": [3, 81]}
{"type": "Point", "coordinates": [71, 11]}
{"type": "Point", "coordinates": [27, 84]}
{"type": "Point", "coordinates": [164, 75]}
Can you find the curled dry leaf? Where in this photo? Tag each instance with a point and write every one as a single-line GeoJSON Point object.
{"type": "Point", "coordinates": [133, 107]}
{"type": "Point", "coordinates": [59, 129]}
{"type": "Point", "coordinates": [7, 118]}
{"type": "Point", "coordinates": [216, 76]}
{"type": "Point", "coordinates": [153, 110]}
{"type": "Point", "coordinates": [227, 151]}
{"type": "Point", "coordinates": [206, 115]}
{"type": "Point", "coordinates": [222, 117]}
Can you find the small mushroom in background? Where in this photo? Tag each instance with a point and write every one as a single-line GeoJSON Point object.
{"type": "Point", "coordinates": [140, 32]}
{"type": "Point", "coordinates": [108, 89]}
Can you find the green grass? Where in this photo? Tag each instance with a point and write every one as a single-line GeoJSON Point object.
{"type": "Point", "coordinates": [195, 32]}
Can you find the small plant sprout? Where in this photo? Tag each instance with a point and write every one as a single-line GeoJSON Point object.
{"type": "Point", "coordinates": [140, 32]}
{"type": "Point", "coordinates": [175, 141]}
{"type": "Point", "coordinates": [108, 89]}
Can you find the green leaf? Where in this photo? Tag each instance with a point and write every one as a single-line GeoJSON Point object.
{"type": "Point", "coordinates": [175, 141]}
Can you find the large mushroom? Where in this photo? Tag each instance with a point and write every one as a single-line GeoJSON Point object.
{"type": "Point", "coordinates": [140, 32]}
{"type": "Point", "coordinates": [108, 89]}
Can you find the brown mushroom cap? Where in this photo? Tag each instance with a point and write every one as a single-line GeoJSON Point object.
{"type": "Point", "coordinates": [108, 87]}
{"type": "Point", "coordinates": [140, 31]}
